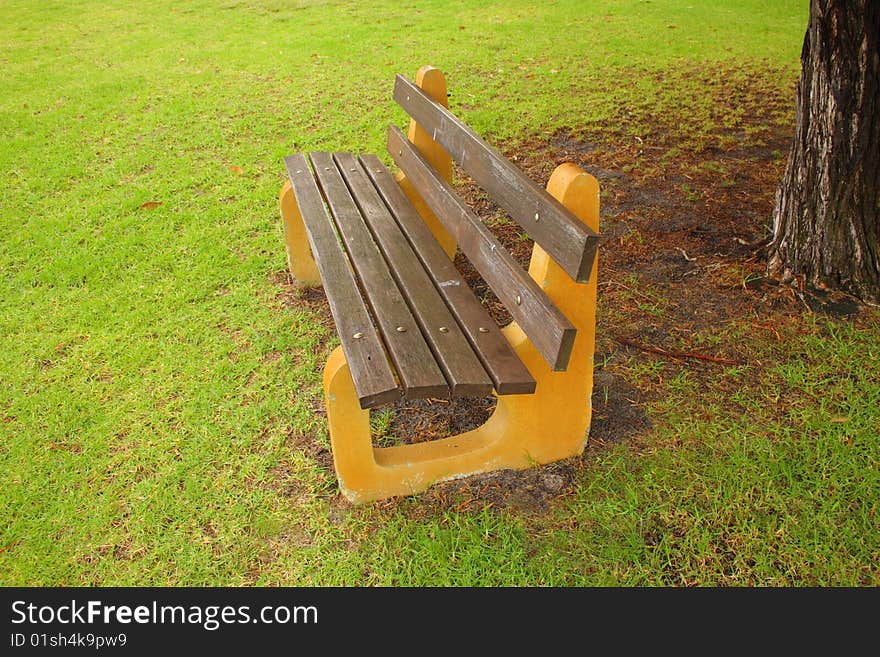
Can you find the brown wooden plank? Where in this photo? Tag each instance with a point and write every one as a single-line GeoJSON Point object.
{"type": "Point", "coordinates": [549, 330]}
{"type": "Point", "coordinates": [507, 372]}
{"type": "Point", "coordinates": [416, 368]}
{"type": "Point", "coordinates": [373, 377]}
{"type": "Point", "coordinates": [453, 352]}
{"type": "Point", "coordinates": [565, 238]}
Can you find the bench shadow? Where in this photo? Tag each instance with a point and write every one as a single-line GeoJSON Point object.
{"type": "Point", "coordinates": [618, 414]}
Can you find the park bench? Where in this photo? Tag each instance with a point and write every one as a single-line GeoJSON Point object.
{"type": "Point", "coordinates": [409, 326]}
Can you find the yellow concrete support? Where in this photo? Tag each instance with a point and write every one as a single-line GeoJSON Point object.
{"type": "Point", "coordinates": [299, 253]}
{"type": "Point", "coordinates": [524, 430]}
{"type": "Point", "coordinates": [433, 83]}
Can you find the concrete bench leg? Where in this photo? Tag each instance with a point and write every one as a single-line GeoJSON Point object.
{"type": "Point", "coordinates": [299, 254]}
{"type": "Point", "coordinates": [524, 430]}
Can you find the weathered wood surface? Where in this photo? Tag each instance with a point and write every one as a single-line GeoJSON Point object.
{"type": "Point", "coordinates": [373, 376]}
{"type": "Point", "coordinates": [566, 239]}
{"type": "Point", "coordinates": [552, 334]}
{"type": "Point", "coordinates": [453, 352]}
{"type": "Point", "coordinates": [507, 372]}
{"type": "Point", "coordinates": [418, 372]}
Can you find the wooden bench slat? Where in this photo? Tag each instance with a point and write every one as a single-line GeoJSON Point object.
{"type": "Point", "coordinates": [565, 238]}
{"type": "Point", "coordinates": [508, 374]}
{"type": "Point", "coordinates": [550, 332]}
{"type": "Point", "coordinates": [373, 377]}
{"type": "Point", "coordinates": [416, 368]}
{"type": "Point", "coordinates": [453, 352]}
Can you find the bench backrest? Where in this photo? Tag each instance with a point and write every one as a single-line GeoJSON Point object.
{"type": "Point", "coordinates": [566, 239]}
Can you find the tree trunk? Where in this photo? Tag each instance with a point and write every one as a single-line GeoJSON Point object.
{"type": "Point", "coordinates": [826, 222]}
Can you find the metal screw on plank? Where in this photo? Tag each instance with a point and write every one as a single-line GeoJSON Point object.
{"type": "Point", "coordinates": [299, 171]}
{"type": "Point", "coordinates": [401, 329]}
{"type": "Point", "coordinates": [537, 217]}
{"type": "Point", "coordinates": [358, 335]}
{"type": "Point", "coordinates": [483, 329]}
{"type": "Point", "coordinates": [444, 329]}
{"type": "Point", "coordinates": [518, 300]}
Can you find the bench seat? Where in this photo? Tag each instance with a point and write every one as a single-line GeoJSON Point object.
{"type": "Point", "coordinates": [393, 291]}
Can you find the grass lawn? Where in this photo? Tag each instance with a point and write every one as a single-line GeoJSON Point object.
{"type": "Point", "coordinates": [160, 397]}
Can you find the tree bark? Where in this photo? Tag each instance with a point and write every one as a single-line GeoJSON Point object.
{"type": "Point", "coordinates": [826, 221]}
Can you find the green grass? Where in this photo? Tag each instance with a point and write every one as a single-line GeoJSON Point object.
{"type": "Point", "coordinates": [153, 386]}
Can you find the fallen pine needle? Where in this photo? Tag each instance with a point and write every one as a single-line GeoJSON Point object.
{"type": "Point", "coordinates": [768, 328]}
{"type": "Point", "coordinates": [685, 255]}
{"type": "Point", "coordinates": [627, 287]}
{"type": "Point", "coordinates": [676, 354]}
